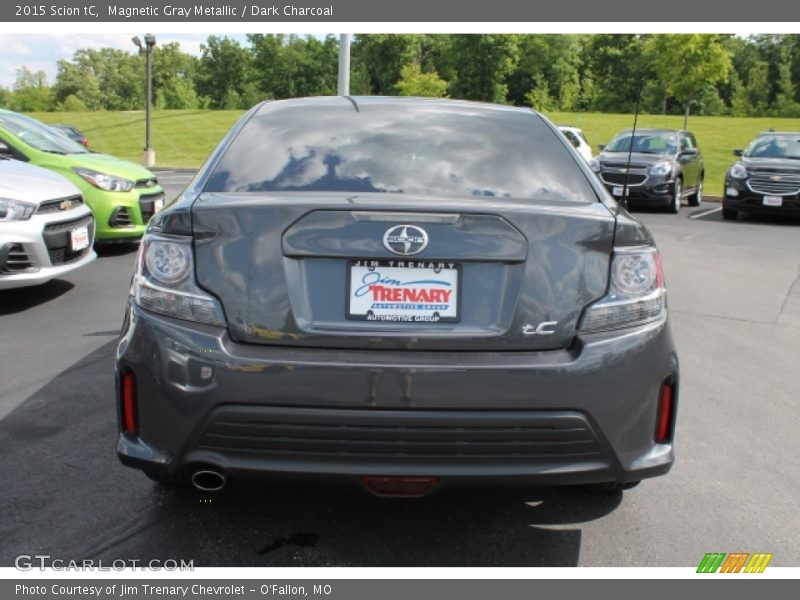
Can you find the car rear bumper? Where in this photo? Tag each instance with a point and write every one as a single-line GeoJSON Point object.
{"type": "Point", "coordinates": [582, 415]}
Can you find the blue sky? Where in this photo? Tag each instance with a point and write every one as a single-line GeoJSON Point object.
{"type": "Point", "coordinates": [43, 51]}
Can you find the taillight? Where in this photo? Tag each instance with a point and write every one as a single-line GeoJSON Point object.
{"type": "Point", "coordinates": [666, 407]}
{"type": "Point", "coordinates": [129, 424]}
{"type": "Point", "coordinates": [636, 293]}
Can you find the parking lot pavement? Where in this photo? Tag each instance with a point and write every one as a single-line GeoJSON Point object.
{"type": "Point", "coordinates": [734, 297]}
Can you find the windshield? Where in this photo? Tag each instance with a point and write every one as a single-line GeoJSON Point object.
{"type": "Point", "coordinates": [644, 143]}
{"type": "Point", "coordinates": [38, 135]}
{"type": "Point", "coordinates": [775, 147]}
{"type": "Point", "coordinates": [413, 149]}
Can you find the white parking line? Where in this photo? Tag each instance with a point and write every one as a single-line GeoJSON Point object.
{"type": "Point", "coordinates": [705, 212]}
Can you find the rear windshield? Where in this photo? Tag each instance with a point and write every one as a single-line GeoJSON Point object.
{"type": "Point", "coordinates": [426, 149]}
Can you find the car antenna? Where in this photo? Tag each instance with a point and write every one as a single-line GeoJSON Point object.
{"type": "Point", "coordinates": [630, 145]}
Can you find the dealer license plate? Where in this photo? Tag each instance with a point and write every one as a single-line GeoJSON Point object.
{"type": "Point", "coordinates": [79, 238]}
{"type": "Point", "coordinates": [773, 201]}
{"type": "Point", "coordinates": [403, 291]}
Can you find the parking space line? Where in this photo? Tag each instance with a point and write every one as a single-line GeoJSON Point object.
{"type": "Point", "coordinates": [705, 212]}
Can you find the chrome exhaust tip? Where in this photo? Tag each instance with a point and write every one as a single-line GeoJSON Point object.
{"type": "Point", "coordinates": [207, 480]}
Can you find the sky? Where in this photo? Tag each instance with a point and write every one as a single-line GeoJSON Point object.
{"type": "Point", "coordinates": [43, 51]}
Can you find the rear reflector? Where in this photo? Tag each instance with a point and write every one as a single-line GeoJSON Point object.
{"type": "Point", "coordinates": [128, 402]}
{"type": "Point", "coordinates": [665, 406]}
{"type": "Point", "coordinates": [408, 487]}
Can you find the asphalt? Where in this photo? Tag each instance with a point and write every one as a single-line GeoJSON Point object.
{"type": "Point", "coordinates": [734, 297]}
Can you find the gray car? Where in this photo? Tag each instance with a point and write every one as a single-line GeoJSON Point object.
{"type": "Point", "coordinates": [402, 293]}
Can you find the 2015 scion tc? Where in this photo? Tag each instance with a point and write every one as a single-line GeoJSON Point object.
{"type": "Point", "coordinates": [405, 293]}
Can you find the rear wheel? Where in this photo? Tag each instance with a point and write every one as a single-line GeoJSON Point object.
{"type": "Point", "coordinates": [729, 215]}
{"type": "Point", "coordinates": [696, 198]}
{"type": "Point", "coordinates": [675, 204]}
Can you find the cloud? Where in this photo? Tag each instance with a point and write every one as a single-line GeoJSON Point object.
{"type": "Point", "coordinates": [43, 51]}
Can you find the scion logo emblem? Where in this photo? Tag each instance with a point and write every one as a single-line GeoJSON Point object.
{"type": "Point", "coordinates": [405, 240]}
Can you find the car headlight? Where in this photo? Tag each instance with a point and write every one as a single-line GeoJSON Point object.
{"type": "Point", "coordinates": [594, 165]}
{"type": "Point", "coordinates": [110, 183]}
{"type": "Point", "coordinates": [14, 210]}
{"type": "Point", "coordinates": [164, 281]}
{"type": "Point", "coordinates": [636, 293]}
{"type": "Point", "coordinates": [738, 171]}
{"type": "Point", "coordinates": [661, 168]}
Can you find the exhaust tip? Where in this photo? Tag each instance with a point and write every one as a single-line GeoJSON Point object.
{"type": "Point", "coordinates": [207, 480]}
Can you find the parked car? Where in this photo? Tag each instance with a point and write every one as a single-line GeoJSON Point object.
{"type": "Point", "coordinates": [665, 167]}
{"type": "Point", "coordinates": [46, 230]}
{"type": "Point", "coordinates": [72, 133]}
{"type": "Point", "coordinates": [122, 195]}
{"type": "Point", "coordinates": [404, 293]}
{"type": "Point", "coordinates": [766, 178]}
{"type": "Point", "coordinates": [578, 140]}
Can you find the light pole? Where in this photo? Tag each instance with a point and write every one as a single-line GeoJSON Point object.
{"type": "Point", "coordinates": [149, 158]}
{"type": "Point", "coordinates": [343, 87]}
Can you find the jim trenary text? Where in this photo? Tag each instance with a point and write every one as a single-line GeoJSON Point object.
{"type": "Point", "coordinates": [124, 590]}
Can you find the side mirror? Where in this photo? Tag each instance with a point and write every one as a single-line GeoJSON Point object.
{"type": "Point", "coordinates": [601, 147]}
{"type": "Point", "coordinates": [689, 152]}
{"type": "Point", "coordinates": [738, 152]}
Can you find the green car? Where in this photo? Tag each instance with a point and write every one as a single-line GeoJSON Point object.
{"type": "Point", "coordinates": [122, 195]}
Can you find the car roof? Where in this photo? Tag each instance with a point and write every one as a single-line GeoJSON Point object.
{"type": "Point", "coordinates": [779, 133]}
{"type": "Point", "coordinates": [653, 130]}
{"type": "Point", "coordinates": [358, 103]}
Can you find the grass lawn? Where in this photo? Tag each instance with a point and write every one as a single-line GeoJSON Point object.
{"type": "Point", "coordinates": [184, 138]}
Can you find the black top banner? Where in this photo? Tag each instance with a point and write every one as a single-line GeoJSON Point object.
{"type": "Point", "coordinates": [440, 11]}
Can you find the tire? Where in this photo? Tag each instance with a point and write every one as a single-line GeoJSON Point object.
{"type": "Point", "coordinates": [696, 198]}
{"type": "Point", "coordinates": [729, 215]}
{"type": "Point", "coordinates": [610, 487]}
{"type": "Point", "coordinates": [675, 203]}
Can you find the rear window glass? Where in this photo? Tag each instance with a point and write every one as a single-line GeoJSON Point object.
{"type": "Point", "coordinates": [424, 148]}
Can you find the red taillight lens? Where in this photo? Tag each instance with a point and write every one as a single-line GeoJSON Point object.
{"type": "Point", "coordinates": [666, 404]}
{"type": "Point", "coordinates": [128, 403]}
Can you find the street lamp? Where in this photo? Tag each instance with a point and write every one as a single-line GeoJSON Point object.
{"type": "Point", "coordinates": [149, 158]}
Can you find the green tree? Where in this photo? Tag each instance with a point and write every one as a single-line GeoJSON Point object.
{"type": "Point", "coordinates": [31, 92]}
{"type": "Point", "coordinates": [482, 65]}
{"type": "Point", "coordinates": [616, 67]}
{"type": "Point", "coordinates": [224, 70]}
{"type": "Point", "coordinates": [173, 77]}
{"type": "Point", "coordinates": [757, 89]}
{"type": "Point", "coordinates": [380, 57]}
{"type": "Point", "coordinates": [685, 64]}
{"type": "Point", "coordinates": [413, 82]}
{"type": "Point", "coordinates": [785, 104]}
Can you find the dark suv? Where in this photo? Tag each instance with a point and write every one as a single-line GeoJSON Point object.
{"type": "Point", "coordinates": [766, 179]}
{"type": "Point", "coordinates": [665, 167]}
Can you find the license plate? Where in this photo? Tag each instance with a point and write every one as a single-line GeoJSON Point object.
{"type": "Point", "coordinates": [617, 191]}
{"type": "Point", "coordinates": [79, 238]}
{"type": "Point", "coordinates": [773, 201]}
{"type": "Point", "coordinates": [403, 291]}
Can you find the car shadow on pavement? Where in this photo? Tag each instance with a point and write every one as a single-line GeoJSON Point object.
{"type": "Point", "coordinates": [68, 496]}
{"type": "Point", "coordinates": [118, 249]}
{"type": "Point", "coordinates": [21, 299]}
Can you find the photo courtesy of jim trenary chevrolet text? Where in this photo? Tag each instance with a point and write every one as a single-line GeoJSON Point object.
{"type": "Point", "coordinates": [338, 298]}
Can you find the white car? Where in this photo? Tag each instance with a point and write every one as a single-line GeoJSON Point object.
{"type": "Point", "coordinates": [46, 229]}
{"type": "Point", "coordinates": [578, 140]}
